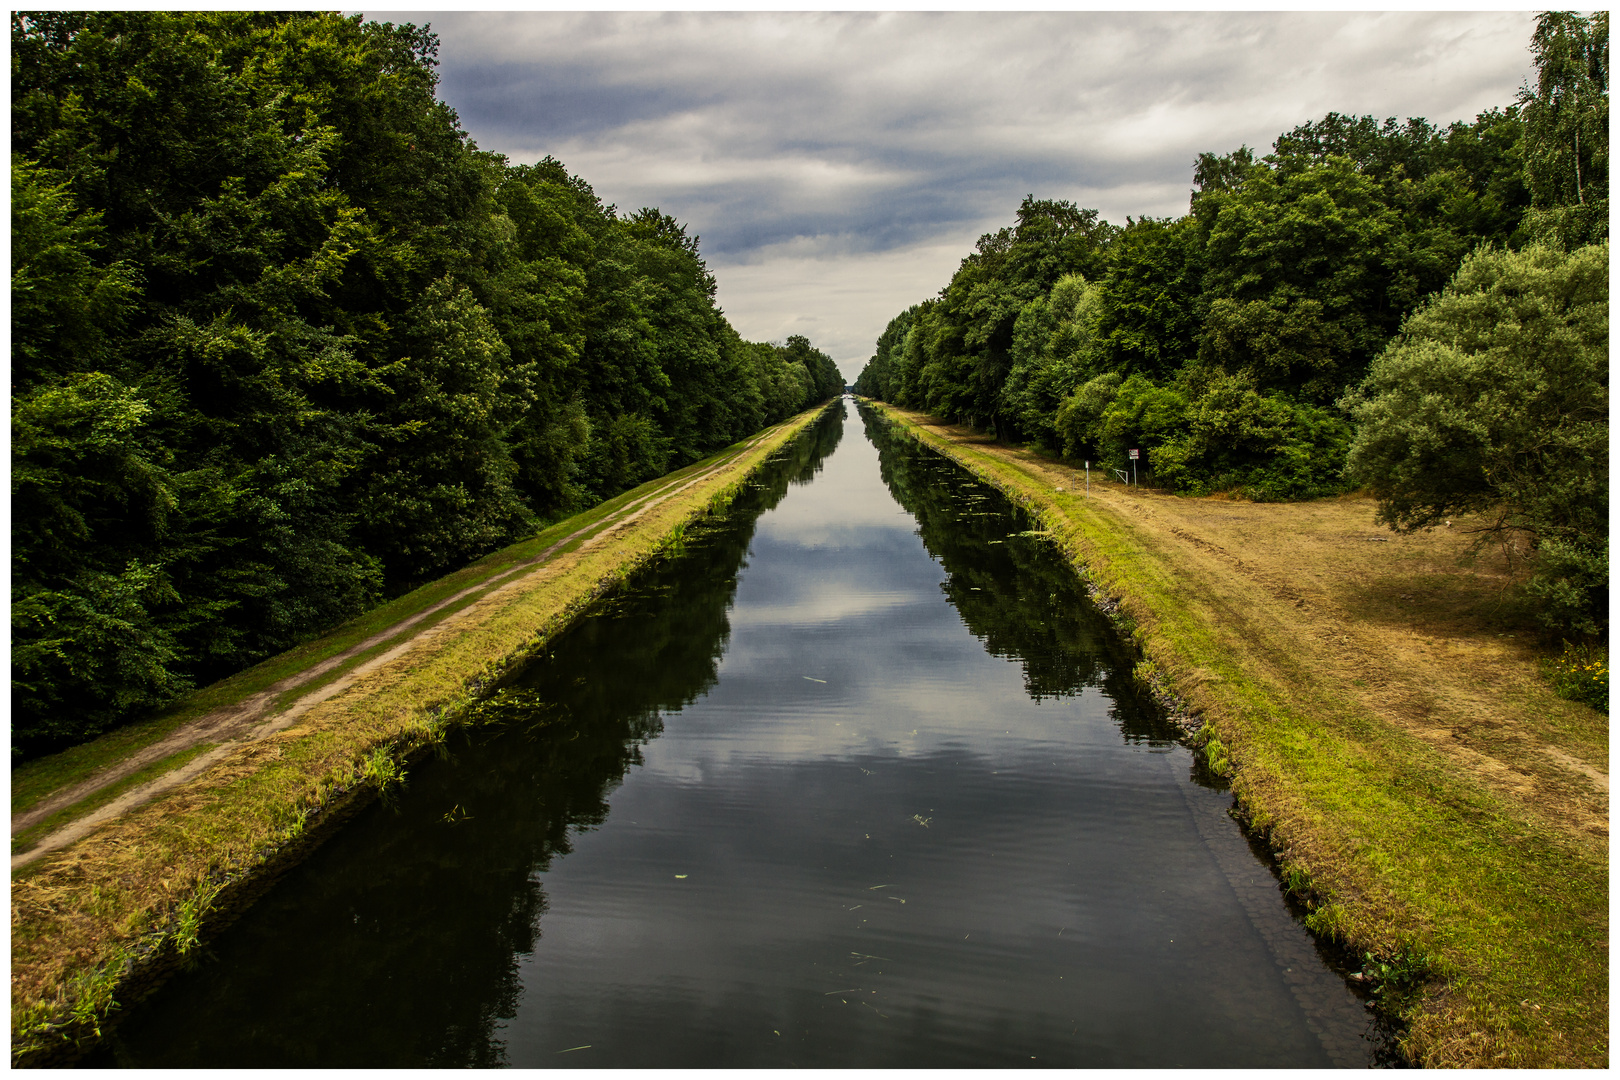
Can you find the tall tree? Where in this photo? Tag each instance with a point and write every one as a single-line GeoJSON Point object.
{"type": "Point", "coordinates": [1567, 127]}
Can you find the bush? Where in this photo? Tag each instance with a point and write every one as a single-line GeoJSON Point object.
{"type": "Point", "coordinates": [1571, 584]}
{"type": "Point", "coordinates": [1141, 415]}
{"type": "Point", "coordinates": [1081, 412]}
{"type": "Point", "coordinates": [1495, 399]}
{"type": "Point", "coordinates": [1581, 674]}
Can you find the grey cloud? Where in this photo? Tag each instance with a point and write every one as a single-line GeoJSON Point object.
{"type": "Point", "coordinates": [826, 137]}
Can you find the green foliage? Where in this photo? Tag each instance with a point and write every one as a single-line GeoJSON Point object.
{"type": "Point", "coordinates": [1271, 297]}
{"type": "Point", "coordinates": [1397, 977]}
{"type": "Point", "coordinates": [1151, 300]}
{"type": "Point", "coordinates": [190, 915]}
{"type": "Point", "coordinates": [1142, 416]}
{"type": "Point", "coordinates": [441, 488]}
{"type": "Point", "coordinates": [1571, 583]}
{"type": "Point", "coordinates": [1296, 275]}
{"type": "Point", "coordinates": [1581, 673]}
{"type": "Point", "coordinates": [381, 770]}
{"type": "Point", "coordinates": [1079, 418]}
{"type": "Point", "coordinates": [1228, 345]}
{"type": "Point", "coordinates": [91, 992]}
{"type": "Point", "coordinates": [1496, 399]}
{"type": "Point", "coordinates": [959, 350]}
{"type": "Point", "coordinates": [1261, 446]}
{"type": "Point", "coordinates": [1053, 349]}
{"type": "Point", "coordinates": [1328, 921]}
{"type": "Point", "coordinates": [285, 341]}
{"type": "Point", "coordinates": [63, 304]}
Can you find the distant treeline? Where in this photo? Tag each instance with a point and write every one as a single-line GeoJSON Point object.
{"type": "Point", "coordinates": [1420, 311]}
{"type": "Point", "coordinates": [285, 342]}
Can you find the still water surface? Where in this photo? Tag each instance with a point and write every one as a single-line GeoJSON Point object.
{"type": "Point", "coordinates": [856, 780]}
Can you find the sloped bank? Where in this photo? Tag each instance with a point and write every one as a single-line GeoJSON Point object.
{"type": "Point", "coordinates": [1480, 913]}
{"type": "Point", "coordinates": [103, 921]}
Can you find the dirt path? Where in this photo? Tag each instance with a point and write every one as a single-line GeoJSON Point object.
{"type": "Point", "coordinates": [255, 717]}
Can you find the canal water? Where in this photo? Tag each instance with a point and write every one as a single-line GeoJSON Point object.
{"type": "Point", "coordinates": [857, 779]}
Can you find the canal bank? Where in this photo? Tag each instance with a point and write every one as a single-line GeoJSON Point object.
{"type": "Point", "coordinates": [1387, 731]}
{"type": "Point", "coordinates": [100, 920]}
{"type": "Point", "coordinates": [859, 779]}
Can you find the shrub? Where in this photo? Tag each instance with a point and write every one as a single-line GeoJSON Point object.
{"type": "Point", "coordinates": [1495, 399]}
{"type": "Point", "coordinates": [1581, 673]}
{"type": "Point", "coordinates": [1080, 413]}
{"type": "Point", "coordinates": [1141, 415]}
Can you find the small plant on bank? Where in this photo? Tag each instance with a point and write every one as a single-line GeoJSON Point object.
{"type": "Point", "coordinates": [381, 769]}
{"type": "Point", "coordinates": [1396, 978]}
{"type": "Point", "coordinates": [1329, 922]}
{"type": "Point", "coordinates": [92, 994]}
{"type": "Point", "coordinates": [1581, 674]}
{"type": "Point", "coordinates": [1220, 762]}
{"type": "Point", "coordinates": [191, 912]}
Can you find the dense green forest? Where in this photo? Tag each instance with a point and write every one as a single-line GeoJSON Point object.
{"type": "Point", "coordinates": [285, 342]}
{"type": "Point", "coordinates": [1419, 311]}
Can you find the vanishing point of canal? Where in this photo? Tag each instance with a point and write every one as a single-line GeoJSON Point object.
{"type": "Point", "coordinates": [855, 780]}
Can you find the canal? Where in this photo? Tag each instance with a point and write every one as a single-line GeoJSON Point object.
{"type": "Point", "coordinates": [856, 779]}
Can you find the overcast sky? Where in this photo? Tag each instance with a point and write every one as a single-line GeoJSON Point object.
{"type": "Point", "coordinates": [839, 166]}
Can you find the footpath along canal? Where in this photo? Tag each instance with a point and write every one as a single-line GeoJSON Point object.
{"type": "Point", "coordinates": [856, 779]}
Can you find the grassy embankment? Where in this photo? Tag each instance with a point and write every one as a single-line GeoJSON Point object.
{"type": "Point", "coordinates": [106, 917]}
{"type": "Point", "coordinates": [1379, 704]}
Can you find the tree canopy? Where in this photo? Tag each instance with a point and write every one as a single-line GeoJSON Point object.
{"type": "Point", "coordinates": [285, 342]}
{"type": "Point", "coordinates": [1495, 399]}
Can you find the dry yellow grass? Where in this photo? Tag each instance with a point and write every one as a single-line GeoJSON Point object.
{"type": "Point", "coordinates": [109, 913]}
{"type": "Point", "coordinates": [1381, 700]}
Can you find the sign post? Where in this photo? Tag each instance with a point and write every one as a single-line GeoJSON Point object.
{"type": "Point", "coordinates": [1134, 455]}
